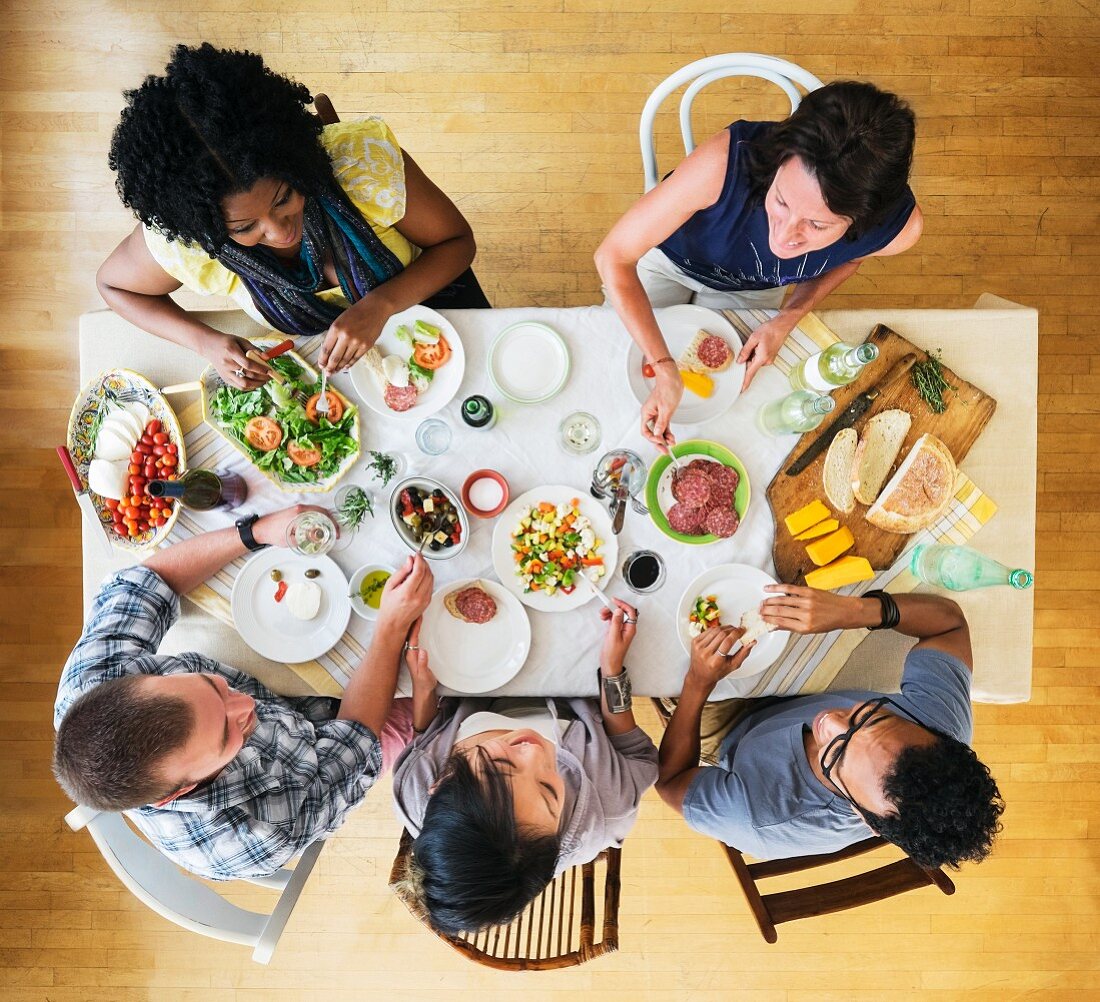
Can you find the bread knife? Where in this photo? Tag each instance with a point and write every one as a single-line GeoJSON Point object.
{"type": "Point", "coordinates": [851, 414]}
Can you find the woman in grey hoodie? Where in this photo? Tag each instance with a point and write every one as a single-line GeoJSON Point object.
{"type": "Point", "coordinates": [502, 794]}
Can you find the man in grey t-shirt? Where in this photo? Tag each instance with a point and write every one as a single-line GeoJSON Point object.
{"type": "Point", "coordinates": [813, 774]}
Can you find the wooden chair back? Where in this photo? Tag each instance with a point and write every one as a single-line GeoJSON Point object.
{"type": "Point", "coordinates": [556, 930]}
{"type": "Point", "coordinates": [325, 111]}
{"type": "Point", "coordinates": [777, 907]}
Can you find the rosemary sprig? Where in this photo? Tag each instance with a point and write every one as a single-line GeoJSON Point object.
{"type": "Point", "coordinates": [930, 383]}
{"type": "Point", "coordinates": [383, 467]}
{"type": "Point", "coordinates": [354, 509]}
{"type": "Point", "coordinates": [109, 400]}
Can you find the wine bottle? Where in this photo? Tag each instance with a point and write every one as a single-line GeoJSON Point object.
{"type": "Point", "coordinates": [202, 490]}
{"type": "Point", "coordinates": [837, 365]}
{"type": "Point", "coordinates": [794, 413]}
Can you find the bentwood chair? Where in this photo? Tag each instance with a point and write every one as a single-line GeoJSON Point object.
{"type": "Point", "coordinates": [812, 900]}
{"type": "Point", "coordinates": [556, 930]}
{"type": "Point", "coordinates": [183, 899]}
{"type": "Point", "coordinates": [787, 76]}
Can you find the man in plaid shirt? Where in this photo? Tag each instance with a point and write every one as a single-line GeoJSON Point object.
{"type": "Point", "coordinates": [224, 776]}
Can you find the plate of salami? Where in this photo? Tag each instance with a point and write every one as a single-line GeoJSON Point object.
{"type": "Point", "coordinates": [705, 345]}
{"type": "Point", "coordinates": [477, 635]}
{"type": "Point", "coordinates": [702, 499]}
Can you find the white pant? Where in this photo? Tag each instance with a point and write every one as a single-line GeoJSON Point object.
{"type": "Point", "coordinates": [667, 285]}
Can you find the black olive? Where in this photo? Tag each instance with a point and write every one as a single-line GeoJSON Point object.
{"type": "Point", "coordinates": [438, 494]}
{"type": "Point", "coordinates": [433, 545]}
{"type": "Point", "coordinates": [449, 542]}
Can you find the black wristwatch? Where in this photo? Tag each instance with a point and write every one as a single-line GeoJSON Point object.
{"type": "Point", "coordinates": [616, 690]}
{"type": "Point", "coordinates": [244, 530]}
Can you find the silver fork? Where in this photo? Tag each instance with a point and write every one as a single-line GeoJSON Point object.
{"type": "Point", "coordinates": [322, 401]}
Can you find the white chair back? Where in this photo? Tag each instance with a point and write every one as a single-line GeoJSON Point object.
{"type": "Point", "coordinates": [161, 885]}
{"type": "Point", "coordinates": [705, 71]}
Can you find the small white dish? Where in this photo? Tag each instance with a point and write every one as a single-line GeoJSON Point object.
{"type": "Point", "coordinates": [528, 362]}
{"type": "Point", "coordinates": [358, 606]}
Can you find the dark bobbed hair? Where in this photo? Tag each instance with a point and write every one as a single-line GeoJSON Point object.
{"type": "Point", "coordinates": [855, 139]}
{"type": "Point", "coordinates": [217, 122]}
{"type": "Point", "coordinates": [947, 804]}
{"type": "Point", "coordinates": [112, 741]}
{"type": "Point", "coordinates": [473, 866]}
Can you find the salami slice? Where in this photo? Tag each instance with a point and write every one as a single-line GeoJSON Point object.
{"type": "Point", "coordinates": [721, 521]}
{"type": "Point", "coordinates": [720, 496]}
{"type": "Point", "coordinates": [400, 398]}
{"type": "Point", "coordinates": [686, 519]}
{"type": "Point", "coordinates": [476, 605]}
{"type": "Point", "coordinates": [700, 466]}
{"type": "Point", "coordinates": [713, 352]}
{"type": "Point", "coordinates": [692, 488]}
{"type": "Point", "coordinates": [727, 476]}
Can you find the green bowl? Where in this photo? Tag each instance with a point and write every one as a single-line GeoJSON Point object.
{"type": "Point", "coordinates": [689, 450]}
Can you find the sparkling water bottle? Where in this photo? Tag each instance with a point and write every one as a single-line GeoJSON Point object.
{"type": "Point", "coordinates": [794, 413]}
{"type": "Point", "coordinates": [960, 568]}
{"type": "Point", "coordinates": [837, 365]}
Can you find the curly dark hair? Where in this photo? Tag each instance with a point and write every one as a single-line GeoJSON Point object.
{"type": "Point", "coordinates": [217, 122]}
{"type": "Point", "coordinates": [947, 804]}
{"type": "Point", "coordinates": [112, 741]}
{"type": "Point", "coordinates": [855, 139]}
{"type": "Point", "coordinates": [473, 866]}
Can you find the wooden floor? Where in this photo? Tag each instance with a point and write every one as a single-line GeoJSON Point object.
{"type": "Point", "coordinates": [525, 111]}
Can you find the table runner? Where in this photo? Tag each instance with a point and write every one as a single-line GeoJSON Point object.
{"type": "Point", "coordinates": [524, 448]}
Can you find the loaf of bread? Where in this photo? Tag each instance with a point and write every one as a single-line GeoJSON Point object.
{"type": "Point", "coordinates": [921, 490]}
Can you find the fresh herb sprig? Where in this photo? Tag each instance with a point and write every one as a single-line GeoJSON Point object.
{"type": "Point", "coordinates": [930, 383]}
{"type": "Point", "coordinates": [109, 401]}
{"type": "Point", "coordinates": [383, 466]}
{"type": "Point", "coordinates": [354, 508]}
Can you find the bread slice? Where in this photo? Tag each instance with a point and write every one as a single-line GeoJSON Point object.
{"type": "Point", "coordinates": [837, 472]}
{"type": "Point", "coordinates": [689, 358]}
{"type": "Point", "coordinates": [921, 490]}
{"type": "Point", "coordinates": [373, 361]}
{"type": "Point", "coordinates": [876, 452]}
{"type": "Point", "coordinates": [755, 627]}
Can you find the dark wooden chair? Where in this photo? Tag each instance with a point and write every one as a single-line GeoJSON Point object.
{"type": "Point", "coordinates": [325, 111]}
{"type": "Point", "coordinates": [771, 909]}
{"type": "Point", "coordinates": [556, 930]}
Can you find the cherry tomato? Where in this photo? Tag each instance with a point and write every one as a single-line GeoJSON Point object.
{"type": "Point", "coordinates": [159, 438]}
{"type": "Point", "coordinates": [152, 427]}
{"type": "Point", "coordinates": [172, 476]}
{"type": "Point", "coordinates": [144, 448]}
{"type": "Point", "coordinates": [133, 531]}
{"type": "Point", "coordinates": [169, 461]}
{"type": "Point", "coordinates": [133, 468]}
{"type": "Point", "coordinates": [649, 373]}
{"type": "Point", "coordinates": [136, 457]}
{"type": "Point", "coordinates": [149, 471]}
{"type": "Point", "coordinates": [173, 448]}
{"type": "Point", "coordinates": [159, 521]}
{"type": "Point", "coordinates": [111, 503]}
{"type": "Point", "coordinates": [121, 529]}
{"type": "Point", "coordinates": [116, 517]}
{"type": "Point", "coordinates": [159, 450]}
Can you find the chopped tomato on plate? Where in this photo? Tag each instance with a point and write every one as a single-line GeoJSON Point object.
{"type": "Point", "coordinates": [432, 356]}
{"type": "Point", "coordinates": [303, 455]}
{"type": "Point", "coordinates": [264, 433]}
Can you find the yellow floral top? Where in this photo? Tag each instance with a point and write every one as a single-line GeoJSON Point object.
{"type": "Point", "coordinates": [368, 165]}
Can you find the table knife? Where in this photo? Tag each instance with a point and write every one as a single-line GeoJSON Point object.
{"type": "Point", "coordinates": [851, 414]}
{"type": "Point", "coordinates": [83, 500]}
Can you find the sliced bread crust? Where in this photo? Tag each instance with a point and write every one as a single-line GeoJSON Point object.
{"type": "Point", "coordinates": [689, 358]}
{"type": "Point", "coordinates": [921, 490]}
{"type": "Point", "coordinates": [837, 472]}
{"type": "Point", "coordinates": [876, 453]}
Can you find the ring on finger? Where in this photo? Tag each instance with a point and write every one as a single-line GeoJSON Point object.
{"type": "Point", "coordinates": [628, 619]}
{"type": "Point", "coordinates": [239, 372]}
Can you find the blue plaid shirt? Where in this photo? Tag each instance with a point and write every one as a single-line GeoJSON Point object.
{"type": "Point", "coordinates": [295, 779]}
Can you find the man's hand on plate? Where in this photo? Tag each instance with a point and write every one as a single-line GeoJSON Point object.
{"type": "Point", "coordinates": [716, 653]}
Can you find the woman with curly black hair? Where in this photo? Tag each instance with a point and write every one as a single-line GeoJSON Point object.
{"type": "Point", "coordinates": [242, 192]}
{"type": "Point", "coordinates": [759, 207]}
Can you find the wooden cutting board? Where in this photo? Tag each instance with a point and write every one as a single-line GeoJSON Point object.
{"type": "Point", "coordinates": [968, 412]}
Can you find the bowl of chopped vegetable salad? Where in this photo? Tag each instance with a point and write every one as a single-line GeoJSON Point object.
{"type": "Point", "coordinates": [278, 429]}
{"type": "Point", "coordinates": [545, 539]}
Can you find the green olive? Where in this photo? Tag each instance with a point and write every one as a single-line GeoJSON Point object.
{"type": "Point", "coordinates": [313, 573]}
{"type": "Point", "coordinates": [276, 574]}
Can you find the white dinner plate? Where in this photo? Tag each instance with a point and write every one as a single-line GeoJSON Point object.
{"type": "Point", "coordinates": [268, 627]}
{"type": "Point", "coordinates": [505, 566]}
{"type": "Point", "coordinates": [679, 324]}
{"type": "Point", "coordinates": [528, 362]}
{"type": "Point", "coordinates": [737, 589]}
{"type": "Point", "coordinates": [443, 386]}
{"type": "Point", "coordinates": [476, 657]}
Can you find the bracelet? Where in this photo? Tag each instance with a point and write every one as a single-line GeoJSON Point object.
{"type": "Point", "coordinates": [891, 615]}
{"type": "Point", "coordinates": [663, 358]}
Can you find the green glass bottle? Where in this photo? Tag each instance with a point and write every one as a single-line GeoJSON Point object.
{"type": "Point", "coordinates": [959, 568]}
{"type": "Point", "coordinates": [837, 365]}
{"type": "Point", "coordinates": [794, 413]}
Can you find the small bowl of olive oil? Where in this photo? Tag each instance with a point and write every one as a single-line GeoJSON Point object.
{"type": "Point", "coordinates": [365, 589]}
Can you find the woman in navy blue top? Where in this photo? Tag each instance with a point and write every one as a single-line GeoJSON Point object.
{"type": "Point", "coordinates": [758, 207]}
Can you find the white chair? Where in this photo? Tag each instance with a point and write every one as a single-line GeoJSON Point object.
{"type": "Point", "coordinates": [705, 71]}
{"type": "Point", "coordinates": [157, 882]}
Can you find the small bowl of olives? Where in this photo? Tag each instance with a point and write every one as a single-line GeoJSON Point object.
{"type": "Point", "coordinates": [425, 511]}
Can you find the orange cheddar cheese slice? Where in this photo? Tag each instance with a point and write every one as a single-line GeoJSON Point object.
{"type": "Point", "coordinates": [806, 517]}
{"type": "Point", "coordinates": [829, 525]}
{"type": "Point", "coordinates": [845, 571]}
{"type": "Point", "coordinates": [826, 550]}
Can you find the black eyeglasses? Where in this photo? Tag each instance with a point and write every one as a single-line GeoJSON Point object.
{"type": "Point", "coordinates": [865, 715]}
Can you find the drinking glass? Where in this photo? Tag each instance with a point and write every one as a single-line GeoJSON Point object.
{"type": "Point", "coordinates": [433, 437]}
{"type": "Point", "coordinates": [646, 567]}
{"type": "Point", "coordinates": [313, 534]}
{"type": "Point", "coordinates": [580, 433]}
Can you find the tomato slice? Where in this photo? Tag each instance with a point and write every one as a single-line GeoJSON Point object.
{"type": "Point", "coordinates": [335, 407]}
{"type": "Point", "coordinates": [263, 433]}
{"type": "Point", "coordinates": [303, 455]}
{"type": "Point", "coordinates": [281, 591]}
{"type": "Point", "coordinates": [432, 356]}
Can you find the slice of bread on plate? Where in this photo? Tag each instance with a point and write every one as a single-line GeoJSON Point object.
{"type": "Point", "coordinates": [876, 452]}
{"type": "Point", "coordinates": [717, 356]}
{"type": "Point", "coordinates": [837, 472]}
{"type": "Point", "coordinates": [921, 490]}
{"type": "Point", "coordinates": [373, 361]}
{"type": "Point", "coordinates": [755, 627]}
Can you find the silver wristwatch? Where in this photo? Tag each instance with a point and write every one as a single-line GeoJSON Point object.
{"type": "Point", "coordinates": [616, 690]}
